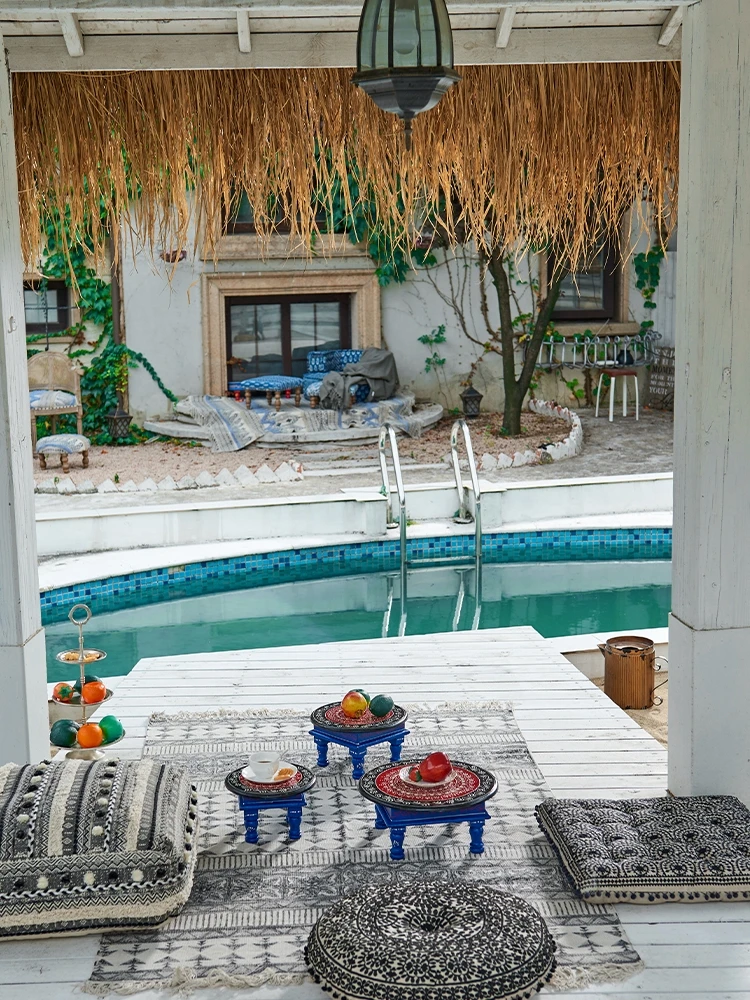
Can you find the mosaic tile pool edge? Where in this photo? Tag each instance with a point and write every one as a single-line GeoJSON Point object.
{"type": "Point", "coordinates": [278, 567]}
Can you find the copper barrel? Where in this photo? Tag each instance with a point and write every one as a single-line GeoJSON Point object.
{"type": "Point", "coordinates": [629, 662]}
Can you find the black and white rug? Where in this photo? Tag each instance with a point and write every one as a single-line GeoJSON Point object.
{"type": "Point", "coordinates": [252, 906]}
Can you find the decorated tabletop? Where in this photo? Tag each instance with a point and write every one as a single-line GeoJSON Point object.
{"type": "Point", "coordinates": [469, 785]}
{"type": "Point", "coordinates": [300, 782]}
{"type": "Point", "coordinates": [332, 717]}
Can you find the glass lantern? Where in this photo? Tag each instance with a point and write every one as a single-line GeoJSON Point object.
{"type": "Point", "coordinates": [405, 56]}
{"type": "Point", "coordinates": [471, 399]}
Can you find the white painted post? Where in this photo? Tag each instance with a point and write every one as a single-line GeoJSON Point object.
{"type": "Point", "coordinates": [23, 692]}
{"type": "Point", "coordinates": [709, 634]}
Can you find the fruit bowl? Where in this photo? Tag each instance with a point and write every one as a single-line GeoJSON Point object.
{"type": "Point", "coordinates": [75, 701]}
{"type": "Point", "coordinates": [89, 656]}
{"type": "Point", "coordinates": [90, 753]}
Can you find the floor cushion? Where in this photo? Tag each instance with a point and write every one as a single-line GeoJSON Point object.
{"type": "Point", "coordinates": [676, 850]}
{"type": "Point", "coordinates": [94, 845]}
{"type": "Point", "coordinates": [431, 941]}
{"type": "Point", "coordinates": [51, 399]}
{"type": "Point", "coordinates": [62, 444]}
{"type": "Point", "coordinates": [360, 392]}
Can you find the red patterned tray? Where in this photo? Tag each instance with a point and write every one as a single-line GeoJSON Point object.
{"type": "Point", "coordinates": [264, 786]}
{"type": "Point", "coordinates": [463, 782]}
{"type": "Point", "coordinates": [296, 785]}
{"type": "Point", "coordinates": [332, 717]}
{"type": "Point", "coordinates": [471, 784]}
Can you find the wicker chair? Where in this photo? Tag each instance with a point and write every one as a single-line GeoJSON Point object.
{"type": "Point", "coordinates": [51, 370]}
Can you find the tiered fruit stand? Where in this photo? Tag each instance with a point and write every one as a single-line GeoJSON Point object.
{"type": "Point", "coordinates": [81, 710]}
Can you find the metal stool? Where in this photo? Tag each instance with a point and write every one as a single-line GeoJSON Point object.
{"type": "Point", "coordinates": [614, 374]}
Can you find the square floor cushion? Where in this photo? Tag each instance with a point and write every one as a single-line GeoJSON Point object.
{"type": "Point", "coordinates": [91, 846]}
{"type": "Point", "coordinates": [664, 850]}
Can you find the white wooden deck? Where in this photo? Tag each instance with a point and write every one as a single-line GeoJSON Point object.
{"type": "Point", "coordinates": [582, 742]}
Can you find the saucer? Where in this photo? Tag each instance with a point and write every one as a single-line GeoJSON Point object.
{"type": "Point", "coordinates": [248, 774]}
{"type": "Point", "coordinates": [404, 775]}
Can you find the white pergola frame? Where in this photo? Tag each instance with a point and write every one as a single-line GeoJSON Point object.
{"type": "Point", "coordinates": [44, 35]}
{"type": "Point", "coordinates": [709, 745]}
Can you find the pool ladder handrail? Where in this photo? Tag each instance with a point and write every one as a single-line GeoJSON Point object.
{"type": "Point", "coordinates": [463, 512]}
{"type": "Point", "coordinates": [388, 435]}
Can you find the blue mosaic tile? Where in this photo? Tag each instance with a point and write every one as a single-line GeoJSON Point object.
{"type": "Point", "coordinates": [134, 589]}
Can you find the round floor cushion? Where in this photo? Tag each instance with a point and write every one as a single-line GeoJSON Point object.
{"type": "Point", "coordinates": [431, 941]}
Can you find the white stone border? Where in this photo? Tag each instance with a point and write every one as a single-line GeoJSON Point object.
{"type": "Point", "coordinates": [567, 448]}
{"type": "Point", "coordinates": [287, 472]}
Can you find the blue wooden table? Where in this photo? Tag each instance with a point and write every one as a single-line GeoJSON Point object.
{"type": "Point", "coordinates": [397, 805]}
{"type": "Point", "coordinates": [253, 800]}
{"type": "Point", "coordinates": [357, 737]}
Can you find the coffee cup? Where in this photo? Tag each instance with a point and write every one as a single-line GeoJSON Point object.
{"type": "Point", "coordinates": [265, 763]}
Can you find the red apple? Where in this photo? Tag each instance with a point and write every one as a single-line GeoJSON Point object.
{"type": "Point", "coordinates": [435, 767]}
{"type": "Point", "coordinates": [354, 704]}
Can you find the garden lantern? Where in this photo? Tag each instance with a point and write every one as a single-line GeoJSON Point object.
{"type": "Point", "coordinates": [471, 398]}
{"type": "Point", "coordinates": [405, 56]}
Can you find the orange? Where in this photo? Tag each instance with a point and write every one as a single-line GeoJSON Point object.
{"type": "Point", "coordinates": [90, 735]}
{"type": "Point", "coordinates": [93, 692]}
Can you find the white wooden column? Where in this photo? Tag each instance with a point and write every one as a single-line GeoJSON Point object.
{"type": "Point", "coordinates": [23, 692]}
{"type": "Point", "coordinates": [709, 636]}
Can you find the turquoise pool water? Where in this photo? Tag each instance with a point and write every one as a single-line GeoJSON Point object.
{"type": "Point", "coordinates": [556, 598]}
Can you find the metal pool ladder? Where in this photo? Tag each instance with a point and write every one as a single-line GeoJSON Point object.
{"type": "Point", "coordinates": [464, 517]}
{"type": "Point", "coordinates": [387, 434]}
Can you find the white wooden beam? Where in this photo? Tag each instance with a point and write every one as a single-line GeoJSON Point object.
{"type": "Point", "coordinates": [72, 33]}
{"type": "Point", "coordinates": [504, 26]}
{"type": "Point", "coordinates": [35, 54]}
{"type": "Point", "coordinates": [299, 8]}
{"type": "Point", "coordinates": [671, 25]}
{"type": "Point", "coordinates": [24, 732]}
{"type": "Point", "coordinates": [244, 37]}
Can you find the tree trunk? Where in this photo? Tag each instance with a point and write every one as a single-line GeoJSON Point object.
{"type": "Point", "coordinates": [513, 400]}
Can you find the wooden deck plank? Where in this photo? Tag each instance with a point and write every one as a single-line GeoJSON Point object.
{"type": "Point", "coordinates": [583, 743]}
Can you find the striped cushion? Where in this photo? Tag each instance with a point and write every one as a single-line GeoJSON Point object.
{"type": "Point", "coordinates": [94, 845]}
{"type": "Point", "coordinates": [51, 399]}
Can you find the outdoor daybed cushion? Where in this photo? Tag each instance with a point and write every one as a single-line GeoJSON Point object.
{"type": "Point", "coordinates": [416, 940]}
{"type": "Point", "coordinates": [50, 399]}
{"type": "Point", "coordinates": [93, 845]}
{"type": "Point", "coordinates": [665, 850]}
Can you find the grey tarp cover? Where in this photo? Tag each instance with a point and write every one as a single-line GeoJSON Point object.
{"type": "Point", "coordinates": [377, 367]}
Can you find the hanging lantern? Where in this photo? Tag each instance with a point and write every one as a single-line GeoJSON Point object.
{"type": "Point", "coordinates": [405, 56]}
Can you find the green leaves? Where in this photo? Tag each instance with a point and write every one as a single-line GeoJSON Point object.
{"type": "Point", "coordinates": [106, 373]}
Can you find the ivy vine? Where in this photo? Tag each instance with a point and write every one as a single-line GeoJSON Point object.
{"type": "Point", "coordinates": [106, 373]}
{"type": "Point", "coordinates": [647, 274]}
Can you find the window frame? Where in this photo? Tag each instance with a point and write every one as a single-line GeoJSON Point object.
{"type": "Point", "coordinates": [66, 307]}
{"type": "Point", "coordinates": [612, 275]}
{"type": "Point", "coordinates": [344, 300]}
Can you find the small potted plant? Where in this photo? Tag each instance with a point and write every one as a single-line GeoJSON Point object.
{"type": "Point", "coordinates": [118, 420]}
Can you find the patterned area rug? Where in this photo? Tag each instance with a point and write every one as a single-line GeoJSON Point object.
{"type": "Point", "coordinates": [252, 907]}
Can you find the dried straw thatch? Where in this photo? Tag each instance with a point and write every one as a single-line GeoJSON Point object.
{"type": "Point", "coordinates": [526, 153]}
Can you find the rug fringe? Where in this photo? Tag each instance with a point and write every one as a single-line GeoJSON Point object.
{"type": "Point", "coordinates": [184, 981]}
{"type": "Point", "coordinates": [249, 713]}
{"type": "Point", "coordinates": [573, 978]}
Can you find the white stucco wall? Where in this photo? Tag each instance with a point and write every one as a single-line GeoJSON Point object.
{"type": "Point", "coordinates": [164, 322]}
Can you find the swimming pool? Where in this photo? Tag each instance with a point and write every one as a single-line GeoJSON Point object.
{"type": "Point", "coordinates": [560, 583]}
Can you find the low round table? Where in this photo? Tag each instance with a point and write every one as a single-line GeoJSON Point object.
{"type": "Point", "coordinates": [289, 795]}
{"type": "Point", "coordinates": [330, 725]}
{"type": "Point", "coordinates": [399, 804]}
